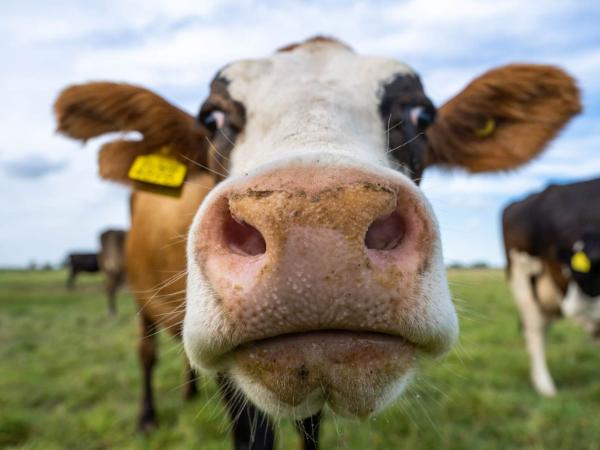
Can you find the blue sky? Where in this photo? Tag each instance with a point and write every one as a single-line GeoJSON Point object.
{"type": "Point", "coordinates": [52, 200]}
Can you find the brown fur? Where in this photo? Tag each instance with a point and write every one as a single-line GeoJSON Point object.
{"type": "Point", "coordinates": [92, 109]}
{"type": "Point", "coordinates": [529, 104]}
{"type": "Point", "coordinates": [112, 262]}
{"type": "Point", "coordinates": [155, 245]}
{"type": "Point", "coordinates": [314, 40]}
{"type": "Point", "coordinates": [155, 250]}
{"type": "Point", "coordinates": [155, 261]}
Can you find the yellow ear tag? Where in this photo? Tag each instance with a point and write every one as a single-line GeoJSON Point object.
{"type": "Point", "coordinates": [158, 168]}
{"type": "Point", "coordinates": [487, 130]}
{"type": "Point", "coordinates": [580, 262]}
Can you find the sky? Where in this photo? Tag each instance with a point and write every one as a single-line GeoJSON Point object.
{"type": "Point", "coordinates": [53, 202]}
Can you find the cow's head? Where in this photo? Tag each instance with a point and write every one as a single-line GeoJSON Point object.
{"type": "Point", "coordinates": [315, 266]}
{"type": "Point", "coordinates": [582, 262]}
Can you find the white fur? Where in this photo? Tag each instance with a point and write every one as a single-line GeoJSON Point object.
{"type": "Point", "coordinates": [523, 266]}
{"type": "Point", "coordinates": [579, 305]}
{"type": "Point", "coordinates": [321, 98]}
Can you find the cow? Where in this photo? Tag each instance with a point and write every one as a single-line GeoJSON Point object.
{"type": "Point", "coordinates": [552, 243]}
{"type": "Point", "coordinates": [112, 263]}
{"type": "Point", "coordinates": [81, 262]}
{"type": "Point", "coordinates": [314, 264]}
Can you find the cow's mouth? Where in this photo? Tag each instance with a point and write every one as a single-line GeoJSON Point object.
{"type": "Point", "coordinates": [356, 373]}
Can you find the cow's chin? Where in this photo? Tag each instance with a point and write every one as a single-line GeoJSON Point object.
{"type": "Point", "coordinates": [356, 373]}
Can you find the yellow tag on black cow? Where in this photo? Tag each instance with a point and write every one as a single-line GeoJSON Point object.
{"type": "Point", "coordinates": [580, 262]}
{"type": "Point", "coordinates": [158, 169]}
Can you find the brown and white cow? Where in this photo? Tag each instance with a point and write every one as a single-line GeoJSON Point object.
{"type": "Point", "coordinates": [552, 242]}
{"type": "Point", "coordinates": [315, 271]}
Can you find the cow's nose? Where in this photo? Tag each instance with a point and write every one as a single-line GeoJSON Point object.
{"type": "Point", "coordinates": [296, 241]}
{"type": "Point", "coordinates": [385, 232]}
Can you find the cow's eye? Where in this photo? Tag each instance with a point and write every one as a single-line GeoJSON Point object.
{"type": "Point", "coordinates": [420, 117]}
{"type": "Point", "coordinates": [213, 120]}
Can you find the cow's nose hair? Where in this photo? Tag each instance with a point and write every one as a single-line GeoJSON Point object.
{"type": "Point", "coordinates": [242, 238]}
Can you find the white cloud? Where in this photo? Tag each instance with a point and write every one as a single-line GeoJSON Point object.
{"type": "Point", "coordinates": [37, 22]}
{"type": "Point", "coordinates": [176, 46]}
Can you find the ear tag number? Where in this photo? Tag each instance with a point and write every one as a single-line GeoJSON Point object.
{"type": "Point", "coordinates": [580, 262]}
{"type": "Point", "coordinates": [158, 168]}
{"type": "Point", "coordinates": [487, 130]}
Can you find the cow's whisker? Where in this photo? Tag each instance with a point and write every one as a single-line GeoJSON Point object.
{"type": "Point", "coordinates": [218, 153]}
{"type": "Point", "coordinates": [185, 383]}
{"type": "Point", "coordinates": [404, 144]}
{"type": "Point", "coordinates": [204, 167]}
{"type": "Point", "coordinates": [397, 124]}
{"type": "Point", "coordinates": [387, 147]}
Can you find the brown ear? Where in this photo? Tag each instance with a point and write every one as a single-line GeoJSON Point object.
{"type": "Point", "coordinates": [503, 119]}
{"type": "Point", "coordinates": [92, 109]}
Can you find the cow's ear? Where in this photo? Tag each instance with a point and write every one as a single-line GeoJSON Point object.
{"type": "Point", "coordinates": [502, 119]}
{"type": "Point", "coordinates": [88, 110]}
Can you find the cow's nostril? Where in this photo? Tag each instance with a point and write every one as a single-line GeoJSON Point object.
{"type": "Point", "coordinates": [385, 233]}
{"type": "Point", "coordinates": [243, 238]}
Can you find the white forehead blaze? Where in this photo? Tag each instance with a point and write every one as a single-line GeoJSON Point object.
{"type": "Point", "coordinates": [321, 97]}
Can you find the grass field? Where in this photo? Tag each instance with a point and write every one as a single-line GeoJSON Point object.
{"type": "Point", "coordinates": [69, 379]}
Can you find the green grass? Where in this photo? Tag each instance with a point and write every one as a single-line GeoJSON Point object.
{"type": "Point", "coordinates": [69, 379]}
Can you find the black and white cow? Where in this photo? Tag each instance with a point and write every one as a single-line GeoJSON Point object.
{"type": "Point", "coordinates": [552, 243]}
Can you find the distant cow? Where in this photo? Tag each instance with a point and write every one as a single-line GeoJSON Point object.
{"type": "Point", "coordinates": [112, 262]}
{"type": "Point", "coordinates": [315, 271]}
{"type": "Point", "coordinates": [552, 242]}
{"type": "Point", "coordinates": [81, 262]}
